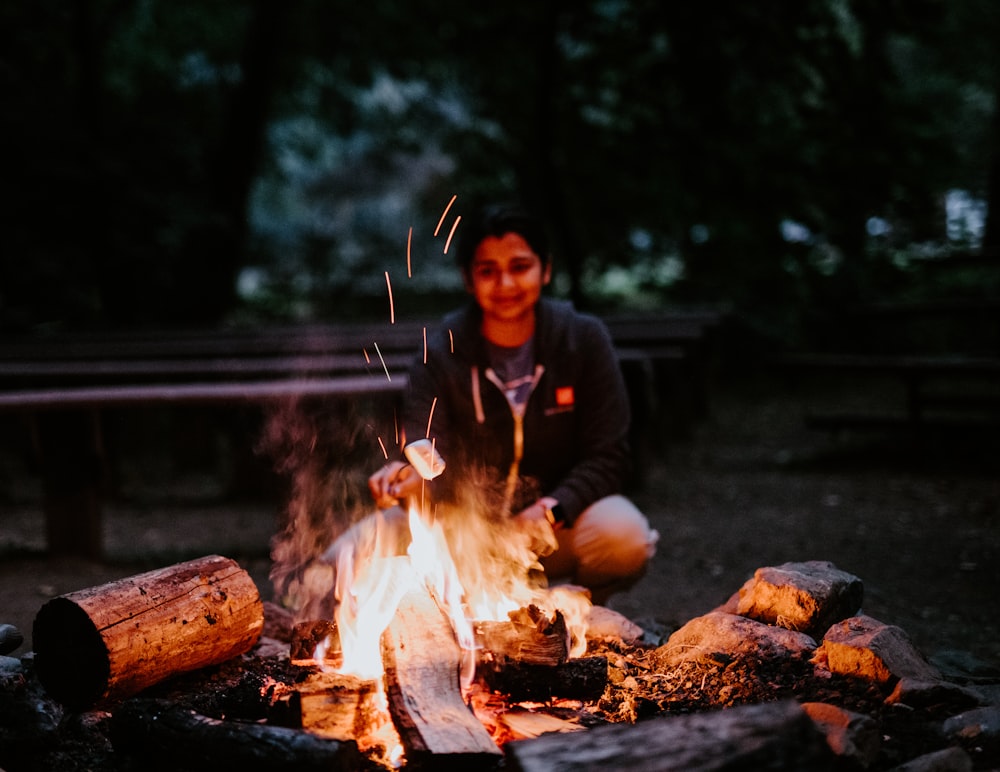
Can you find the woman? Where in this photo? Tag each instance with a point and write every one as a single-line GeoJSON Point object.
{"type": "Point", "coordinates": [523, 396]}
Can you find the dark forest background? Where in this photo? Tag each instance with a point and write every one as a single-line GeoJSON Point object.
{"type": "Point", "coordinates": [176, 163]}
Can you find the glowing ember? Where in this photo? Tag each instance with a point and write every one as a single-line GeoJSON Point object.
{"type": "Point", "coordinates": [409, 242]}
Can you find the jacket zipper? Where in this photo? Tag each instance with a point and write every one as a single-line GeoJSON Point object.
{"type": "Point", "coordinates": [516, 414]}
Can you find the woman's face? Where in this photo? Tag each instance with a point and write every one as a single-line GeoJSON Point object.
{"type": "Point", "coordinates": [506, 278]}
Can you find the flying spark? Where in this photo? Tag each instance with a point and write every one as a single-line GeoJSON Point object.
{"type": "Point", "coordinates": [409, 242]}
{"type": "Point", "coordinates": [452, 233]}
{"type": "Point", "coordinates": [425, 345]}
{"type": "Point", "coordinates": [444, 214]}
{"type": "Point", "coordinates": [384, 451]}
{"type": "Point", "coordinates": [392, 310]}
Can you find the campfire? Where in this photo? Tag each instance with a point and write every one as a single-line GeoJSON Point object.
{"type": "Point", "coordinates": [184, 667]}
{"type": "Point", "coordinates": [421, 641]}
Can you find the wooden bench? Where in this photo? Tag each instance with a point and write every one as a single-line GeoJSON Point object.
{"type": "Point", "coordinates": [63, 385]}
{"type": "Point", "coordinates": [916, 373]}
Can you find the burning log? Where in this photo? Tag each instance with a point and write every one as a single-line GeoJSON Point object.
{"type": "Point", "coordinates": [578, 679]}
{"type": "Point", "coordinates": [308, 635]}
{"type": "Point", "coordinates": [527, 658]}
{"type": "Point", "coordinates": [422, 660]}
{"type": "Point", "coordinates": [167, 735]}
{"type": "Point", "coordinates": [110, 642]}
{"type": "Point", "coordinates": [530, 637]}
{"type": "Point", "coordinates": [339, 706]}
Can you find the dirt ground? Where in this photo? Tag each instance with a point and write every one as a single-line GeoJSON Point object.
{"type": "Point", "coordinates": [915, 520]}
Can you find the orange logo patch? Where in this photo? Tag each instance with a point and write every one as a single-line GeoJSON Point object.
{"type": "Point", "coordinates": [564, 396]}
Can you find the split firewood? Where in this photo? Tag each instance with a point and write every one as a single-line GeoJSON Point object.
{"type": "Point", "coordinates": [582, 679]}
{"type": "Point", "coordinates": [529, 637]}
{"type": "Point", "coordinates": [109, 642]}
{"type": "Point", "coordinates": [307, 636]}
{"type": "Point", "coordinates": [338, 706]}
{"type": "Point", "coordinates": [164, 735]}
{"type": "Point", "coordinates": [525, 724]}
{"type": "Point", "coordinates": [422, 660]}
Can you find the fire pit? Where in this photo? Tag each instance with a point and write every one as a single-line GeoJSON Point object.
{"type": "Point", "coordinates": [736, 686]}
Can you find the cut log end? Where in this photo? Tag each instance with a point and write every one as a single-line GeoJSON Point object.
{"type": "Point", "coordinates": [70, 656]}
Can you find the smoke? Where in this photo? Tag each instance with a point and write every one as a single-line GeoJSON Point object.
{"type": "Point", "coordinates": [326, 455]}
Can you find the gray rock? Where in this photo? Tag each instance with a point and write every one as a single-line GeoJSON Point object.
{"type": "Point", "coordinates": [851, 735]}
{"type": "Point", "coordinates": [808, 596]}
{"type": "Point", "coordinates": [10, 638]}
{"type": "Point", "coordinates": [721, 637]}
{"type": "Point", "coordinates": [864, 647]}
{"type": "Point", "coordinates": [977, 729]}
{"type": "Point", "coordinates": [947, 760]}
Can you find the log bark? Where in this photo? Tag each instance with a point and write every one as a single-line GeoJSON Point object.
{"type": "Point", "coordinates": [105, 643]}
{"type": "Point", "coordinates": [164, 735]}
{"type": "Point", "coordinates": [422, 661]}
{"type": "Point", "coordinates": [770, 736]}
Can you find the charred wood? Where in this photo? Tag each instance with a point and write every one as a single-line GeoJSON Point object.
{"type": "Point", "coordinates": [163, 735]}
{"type": "Point", "coordinates": [770, 736]}
{"type": "Point", "coordinates": [308, 635]}
{"type": "Point", "coordinates": [578, 679]}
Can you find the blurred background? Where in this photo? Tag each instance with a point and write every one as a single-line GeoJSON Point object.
{"type": "Point", "coordinates": [181, 163]}
{"type": "Point", "coordinates": [817, 173]}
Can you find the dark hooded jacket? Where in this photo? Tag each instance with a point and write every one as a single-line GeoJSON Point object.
{"type": "Point", "coordinates": [574, 436]}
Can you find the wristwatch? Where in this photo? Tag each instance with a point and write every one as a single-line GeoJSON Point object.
{"type": "Point", "coordinates": [553, 511]}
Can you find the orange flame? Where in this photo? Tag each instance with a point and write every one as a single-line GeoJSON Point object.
{"type": "Point", "coordinates": [474, 572]}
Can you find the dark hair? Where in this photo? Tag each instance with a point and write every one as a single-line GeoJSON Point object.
{"type": "Point", "coordinates": [497, 220]}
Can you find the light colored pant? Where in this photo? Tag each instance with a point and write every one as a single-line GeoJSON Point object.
{"type": "Point", "coordinates": [607, 549]}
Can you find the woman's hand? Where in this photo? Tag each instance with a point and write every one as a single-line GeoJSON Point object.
{"type": "Point", "coordinates": [392, 482]}
{"type": "Point", "coordinates": [538, 524]}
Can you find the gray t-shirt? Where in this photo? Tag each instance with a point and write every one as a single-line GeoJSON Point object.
{"type": "Point", "coordinates": [515, 367]}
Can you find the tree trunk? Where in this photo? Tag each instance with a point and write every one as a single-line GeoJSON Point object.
{"type": "Point", "coordinates": [109, 642]}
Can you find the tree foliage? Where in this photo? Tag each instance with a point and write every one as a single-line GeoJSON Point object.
{"type": "Point", "coordinates": [160, 152]}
